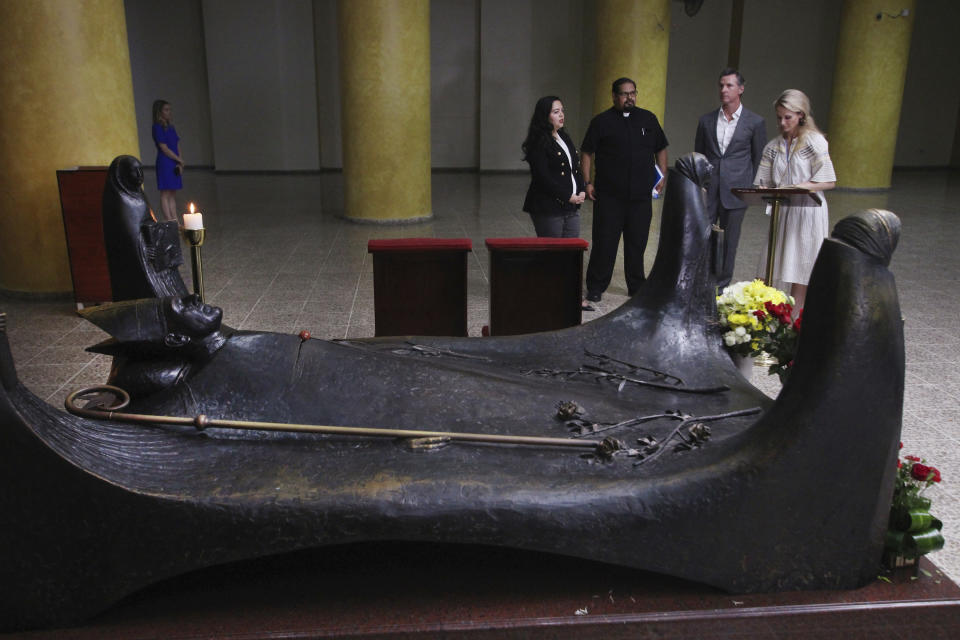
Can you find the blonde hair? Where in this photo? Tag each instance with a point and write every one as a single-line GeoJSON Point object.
{"type": "Point", "coordinates": [798, 102]}
{"type": "Point", "coordinates": [158, 105]}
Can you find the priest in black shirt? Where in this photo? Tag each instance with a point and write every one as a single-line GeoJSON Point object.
{"type": "Point", "coordinates": [626, 142]}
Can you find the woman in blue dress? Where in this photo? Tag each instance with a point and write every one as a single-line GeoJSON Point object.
{"type": "Point", "coordinates": [169, 160]}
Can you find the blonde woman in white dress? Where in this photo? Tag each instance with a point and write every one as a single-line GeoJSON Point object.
{"type": "Point", "coordinates": [798, 157]}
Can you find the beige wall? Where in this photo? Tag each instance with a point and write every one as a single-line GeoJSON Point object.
{"type": "Point", "coordinates": [327, 60]}
{"type": "Point", "coordinates": [528, 49]}
{"type": "Point", "coordinates": [168, 63]}
{"type": "Point", "coordinates": [490, 61]}
{"type": "Point", "coordinates": [698, 52]}
{"type": "Point", "coordinates": [454, 87]}
{"type": "Point", "coordinates": [930, 113]}
{"type": "Point", "coordinates": [262, 83]}
{"type": "Point", "coordinates": [785, 47]}
{"type": "Point", "coordinates": [773, 57]}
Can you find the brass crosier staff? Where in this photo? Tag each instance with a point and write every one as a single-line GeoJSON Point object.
{"type": "Point", "coordinates": [99, 394]}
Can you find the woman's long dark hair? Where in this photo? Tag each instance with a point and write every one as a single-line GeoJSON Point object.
{"type": "Point", "coordinates": [540, 131]}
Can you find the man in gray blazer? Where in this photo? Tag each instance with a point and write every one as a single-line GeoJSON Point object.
{"type": "Point", "coordinates": [732, 138]}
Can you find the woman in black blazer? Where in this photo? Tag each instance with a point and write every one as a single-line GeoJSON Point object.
{"type": "Point", "coordinates": [556, 182]}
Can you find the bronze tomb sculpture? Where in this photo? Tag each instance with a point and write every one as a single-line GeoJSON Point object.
{"type": "Point", "coordinates": [707, 479]}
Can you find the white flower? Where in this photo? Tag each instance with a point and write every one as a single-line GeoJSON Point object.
{"type": "Point", "coordinates": [740, 331]}
{"type": "Point", "coordinates": [729, 339]}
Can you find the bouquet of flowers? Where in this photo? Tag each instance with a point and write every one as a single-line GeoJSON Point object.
{"type": "Point", "coordinates": [912, 531]}
{"type": "Point", "coordinates": [738, 306]}
{"type": "Point", "coordinates": [757, 319]}
{"type": "Point", "coordinates": [781, 335]}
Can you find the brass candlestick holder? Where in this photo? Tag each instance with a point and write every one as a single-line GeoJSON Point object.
{"type": "Point", "coordinates": [196, 237]}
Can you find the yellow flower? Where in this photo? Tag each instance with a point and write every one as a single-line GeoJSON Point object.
{"type": "Point", "coordinates": [758, 293]}
{"type": "Point", "coordinates": [738, 319]}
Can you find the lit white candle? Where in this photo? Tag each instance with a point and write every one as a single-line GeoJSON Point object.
{"type": "Point", "coordinates": [193, 220]}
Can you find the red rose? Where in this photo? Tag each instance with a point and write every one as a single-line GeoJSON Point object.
{"type": "Point", "coordinates": [899, 464]}
{"type": "Point", "coordinates": [780, 311]}
{"type": "Point", "coordinates": [901, 445]}
{"type": "Point", "coordinates": [760, 314]}
{"type": "Point", "coordinates": [912, 458]}
{"type": "Point", "coordinates": [924, 473]}
{"type": "Point", "coordinates": [783, 311]}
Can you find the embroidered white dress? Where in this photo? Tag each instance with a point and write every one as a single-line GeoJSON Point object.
{"type": "Point", "coordinates": [802, 229]}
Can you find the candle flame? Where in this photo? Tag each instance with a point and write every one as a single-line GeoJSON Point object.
{"type": "Point", "coordinates": [192, 208]}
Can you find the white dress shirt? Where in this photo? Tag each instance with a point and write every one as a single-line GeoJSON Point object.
{"type": "Point", "coordinates": [725, 129]}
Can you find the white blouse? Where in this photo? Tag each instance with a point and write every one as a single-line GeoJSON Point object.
{"type": "Point", "coordinates": [573, 181]}
{"type": "Point", "coordinates": [802, 229]}
{"type": "Point", "coordinates": [807, 159]}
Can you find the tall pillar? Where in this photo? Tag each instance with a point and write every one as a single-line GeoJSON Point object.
{"type": "Point", "coordinates": [867, 94]}
{"type": "Point", "coordinates": [66, 95]}
{"type": "Point", "coordinates": [385, 105]}
{"type": "Point", "coordinates": [632, 40]}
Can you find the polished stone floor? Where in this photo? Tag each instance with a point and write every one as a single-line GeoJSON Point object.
{"type": "Point", "coordinates": [279, 257]}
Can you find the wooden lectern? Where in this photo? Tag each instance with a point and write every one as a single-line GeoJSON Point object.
{"type": "Point", "coordinates": [81, 201]}
{"type": "Point", "coordinates": [792, 196]}
{"type": "Point", "coordinates": [535, 284]}
{"type": "Point", "coordinates": [420, 286]}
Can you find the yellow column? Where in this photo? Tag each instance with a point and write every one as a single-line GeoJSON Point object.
{"type": "Point", "coordinates": [632, 41]}
{"type": "Point", "coordinates": [385, 105]}
{"type": "Point", "coordinates": [66, 95]}
{"type": "Point", "coordinates": [868, 90]}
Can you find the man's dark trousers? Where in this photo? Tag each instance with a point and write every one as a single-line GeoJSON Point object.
{"type": "Point", "coordinates": [730, 221]}
{"type": "Point", "coordinates": [611, 217]}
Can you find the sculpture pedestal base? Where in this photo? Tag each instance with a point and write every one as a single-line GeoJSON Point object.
{"type": "Point", "coordinates": [424, 590]}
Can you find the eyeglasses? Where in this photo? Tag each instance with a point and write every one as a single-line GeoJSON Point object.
{"type": "Point", "coordinates": [627, 94]}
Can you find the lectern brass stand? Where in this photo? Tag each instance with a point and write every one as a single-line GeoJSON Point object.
{"type": "Point", "coordinates": [793, 196]}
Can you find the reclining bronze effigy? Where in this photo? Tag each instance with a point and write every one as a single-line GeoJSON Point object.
{"type": "Point", "coordinates": [679, 465]}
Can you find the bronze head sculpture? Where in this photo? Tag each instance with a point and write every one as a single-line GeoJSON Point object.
{"type": "Point", "coordinates": [157, 342]}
